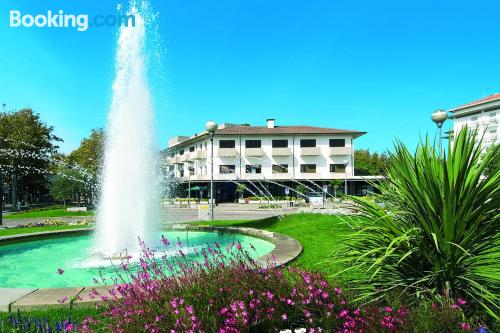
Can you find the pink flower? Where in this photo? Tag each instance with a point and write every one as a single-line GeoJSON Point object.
{"type": "Point", "coordinates": [461, 301]}
{"type": "Point", "coordinates": [60, 271]}
{"type": "Point", "coordinates": [464, 326]}
{"type": "Point", "coordinates": [284, 316]}
{"type": "Point", "coordinates": [388, 309]}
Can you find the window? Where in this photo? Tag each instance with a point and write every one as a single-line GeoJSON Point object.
{"type": "Point", "coordinates": [473, 118]}
{"type": "Point", "coordinates": [280, 143]}
{"type": "Point", "coordinates": [227, 144]}
{"type": "Point", "coordinates": [307, 143]}
{"type": "Point", "coordinates": [280, 168]}
{"type": "Point", "coordinates": [493, 114]}
{"type": "Point", "coordinates": [337, 142]}
{"type": "Point", "coordinates": [337, 168]}
{"type": "Point", "coordinates": [252, 144]}
{"type": "Point", "coordinates": [308, 168]}
{"type": "Point", "coordinates": [181, 152]}
{"type": "Point", "coordinates": [227, 168]}
{"type": "Point", "coordinates": [191, 149]}
{"type": "Point", "coordinates": [256, 168]}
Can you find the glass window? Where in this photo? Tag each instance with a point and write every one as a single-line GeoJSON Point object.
{"type": "Point", "coordinates": [181, 152]}
{"type": "Point", "coordinates": [227, 144]}
{"type": "Point", "coordinates": [252, 143]}
{"type": "Point", "coordinates": [227, 168]}
{"type": "Point", "coordinates": [255, 168]}
{"type": "Point", "coordinates": [280, 143]}
{"type": "Point", "coordinates": [337, 168]}
{"type": "Point", "coordinates": [473, 118]}
{"type": "Point", "coordinates": [191, 149]}
{"type": "Point", "coordinates": [308, 168]}
{"type": "Point", "coordinates": [307, 143]}
{"type": "Point", "coordinates": [337, 142]}
{"type": "Point", "coordinates": [280, 168]}
{"type": "Point", "coordinates": [493, 114]}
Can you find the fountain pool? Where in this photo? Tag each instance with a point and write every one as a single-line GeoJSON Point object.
{"type": "Point", "coordinates": [34, 263]}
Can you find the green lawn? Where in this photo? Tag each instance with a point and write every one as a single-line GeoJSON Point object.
{"type": "Point", "coordinates": [52, 315]}
{"type": "Point", "coordinates": [319, 235]}
{"type": "Point", "coordinates": [46, 213]}
{"type": "Point", "coordinates": [28, 230]}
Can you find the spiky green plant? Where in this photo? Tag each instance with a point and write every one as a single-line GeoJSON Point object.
{"type": "Point", "coordinates": [438, 233]}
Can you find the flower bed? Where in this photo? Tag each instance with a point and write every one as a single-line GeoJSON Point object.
{"type": "Point", "coordinates": [228, 292]}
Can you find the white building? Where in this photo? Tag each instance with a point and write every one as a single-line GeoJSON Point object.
{"type": "Point", "coordinates": [264, 156]}
{"type": "Point", "coordinates": [483, 115]}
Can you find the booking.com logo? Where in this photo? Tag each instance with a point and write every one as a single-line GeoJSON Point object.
{"type": "Point", "coordinates": [61, 20]}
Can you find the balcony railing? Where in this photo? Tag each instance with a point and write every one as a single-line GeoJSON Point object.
{"type": "Point", "coordinates": [254, 152]}
{"type": "Point", "coordinates": [282, 152]}
{"type": "Point", "coordinates": [198, 155]}
{"type": "Point", "coordinates": [310, 151]}
{"type": "Point", "coordinates": [183, 158]}
{"type": "Point", "coordinates": [340, 151]}
{"type": "Point", "coordinates": [226, 152]}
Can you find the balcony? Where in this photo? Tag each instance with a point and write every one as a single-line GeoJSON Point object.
{"type": "Point", "coordinates": [254, 152]}
{"type": "Point", "coordinates": [310, 151]}
{"type": "Point", "coordinates": [282, 152]}
{"type": "Point", "coordinates": [183, 158]}
{"type": "Point", "coordinates": [171, 161]}
{"type": "Point", "coordinates": [226, 152]}
{"type": "Point", "coordinates": [284, 175]}
{"type": "Point", "coordinates": [340, 151]}
{"type": "Point", "coordinates": [251, 176]}
{"type": "Point", "coordinates": [307, 175]}
{"type": "Point", "coordinates": [198, 155]}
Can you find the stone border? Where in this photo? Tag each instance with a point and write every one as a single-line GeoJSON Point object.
{"type": "Point", "coordinates": [285, 250]}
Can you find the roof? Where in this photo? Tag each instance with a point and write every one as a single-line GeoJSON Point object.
{"type": "Point", "coordinates": [493, 97]}
{"type": "Point", "coordinates": [279, 130]}
{"type": "Point", "coordinates": [229, 129]}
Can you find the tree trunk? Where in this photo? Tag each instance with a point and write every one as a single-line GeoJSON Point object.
{"type": "Point", "coordinates": [14, 192]}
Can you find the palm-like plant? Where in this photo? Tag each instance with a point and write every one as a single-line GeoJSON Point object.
{"type": "Point", "coordinates": [438, 232]}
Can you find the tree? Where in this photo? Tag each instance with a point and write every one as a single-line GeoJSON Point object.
{"type": "Point", "coordinates": [87, 160]}
{"type": "Point", "coordinates": [367, 164]}
{"type": "Point", "coordinates": [240, 188]}
{"type": "Point", "coordinates": [90, 152]}
{"type": "Point", "coordinates": [335, 184]}
{"type": "Point", "coordinates": [495, 164]}
{"type": "Point", "coordinates": [27, 150]}
{"type": "Point", "coordinates": [67, 184]}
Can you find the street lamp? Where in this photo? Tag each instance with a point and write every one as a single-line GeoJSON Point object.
{"type": "Point", "coordinates": [439, 117]}
{"type": "Point", "coordinates": [345, 176]}
{"type": "Point", "coordinates": [211, 126]}
{"type": "Point", "coordinates": [1, 197]}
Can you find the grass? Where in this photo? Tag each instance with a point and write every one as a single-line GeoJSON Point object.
{"type": "Point", "coordinates": [29, 230]}
{"type": "Point", "coordinates": [53, 315]}
{"type": "Point", "coordinates": [46, 213]}
{"type": "Point", "coordinates": [319, 235]}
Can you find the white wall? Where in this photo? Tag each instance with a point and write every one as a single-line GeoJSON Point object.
{"type": "Point", "coordinates": [323, 161]}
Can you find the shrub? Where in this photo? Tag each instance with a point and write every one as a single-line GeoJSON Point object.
{"type": "Point", "coordinates": [228, 291]}
{"type": "Point", "coordinates": [439, 231]}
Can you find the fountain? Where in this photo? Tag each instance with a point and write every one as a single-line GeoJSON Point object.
{"type": "Point", "coordinates": [129, 190]}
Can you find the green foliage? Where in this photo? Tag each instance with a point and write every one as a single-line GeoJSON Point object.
{"type": "Point", "coordinates": [67, 183]}
{"type": "Point", "coordinates": [495, 162]}
{"type": "Point", "coordinates": [367, 164]}
{"type": "Point", "coordinates": [27, 150]}
{"type": "Point", "coordinates": [90, 152]}
{"type": "Point", "coordinates": [301, 189]}
{"type": "Point", "coordinates": [439, 231]}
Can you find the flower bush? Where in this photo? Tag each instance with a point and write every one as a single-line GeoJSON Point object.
{"type": "Point", "coordinates": [227, 291]}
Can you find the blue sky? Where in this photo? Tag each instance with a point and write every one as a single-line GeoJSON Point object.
{"type": "Point", "coordinates": [376, 66]}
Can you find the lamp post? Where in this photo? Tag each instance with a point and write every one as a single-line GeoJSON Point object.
{"type": "Point", "coordinates": [211, 126]}
{"type": "Point", "coordinates": [345, 176]}
{"type": "Point", "coordinates": [439, 117]}
{"type": "Point", "coordinates": [1, 196]}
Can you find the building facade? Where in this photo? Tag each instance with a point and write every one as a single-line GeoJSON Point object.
{"type": "Point", "coordinates": [267, 159]}
{"type": "Point", "coordinates": [483, 115]}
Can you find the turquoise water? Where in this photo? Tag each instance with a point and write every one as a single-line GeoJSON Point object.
{"type": "Point", "coordinates": [34, 264]}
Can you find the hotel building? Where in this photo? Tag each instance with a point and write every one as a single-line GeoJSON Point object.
{"type": "Point", "coordinates": [483, 115]}
{"type": "Point", "coordinates": [265, 158]}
